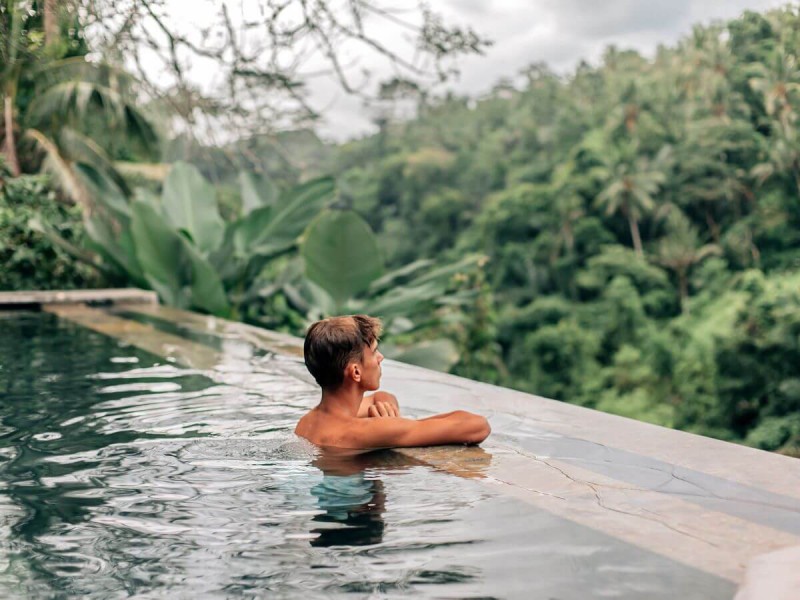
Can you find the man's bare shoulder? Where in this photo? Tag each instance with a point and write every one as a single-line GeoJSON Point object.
{"type": "Point", "coordinates": [327, 430]}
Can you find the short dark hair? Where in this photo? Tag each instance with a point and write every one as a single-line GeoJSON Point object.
{"type": "Point", "coordinates": [331, 344]}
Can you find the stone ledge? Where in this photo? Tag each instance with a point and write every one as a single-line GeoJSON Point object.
{"type": "Point", "coordinates": [28, 298]}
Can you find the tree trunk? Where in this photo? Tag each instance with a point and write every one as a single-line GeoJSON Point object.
{"type": "Point", "coordinates": [683, 290]}
{"type": "Point", "coordinates": [11, 145]}
{"type": "Point", "coordinates": [51, 29]}
{"type": "Point", "coordinates": [712, 225]}
{"type": "Point", "coordinates": [637, 239]}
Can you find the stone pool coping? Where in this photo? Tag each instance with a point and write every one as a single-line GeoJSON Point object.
{"type": "Point", "coordinates": [713, 505]}
{"type": "Point", "coordinates": [38, 298]}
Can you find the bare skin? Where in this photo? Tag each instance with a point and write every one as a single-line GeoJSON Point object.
{"type": "Point", "coordinates": [345, 418]}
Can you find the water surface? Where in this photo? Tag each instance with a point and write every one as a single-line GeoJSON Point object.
{"type": "Point", "coordinates": [125, 475]}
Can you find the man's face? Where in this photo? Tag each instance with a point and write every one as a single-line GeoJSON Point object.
{"type": "Point", "coordinates": [371, 367]}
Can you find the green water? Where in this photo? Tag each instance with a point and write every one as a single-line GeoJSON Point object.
{"type": "Point", "coordinates": [123, 475]}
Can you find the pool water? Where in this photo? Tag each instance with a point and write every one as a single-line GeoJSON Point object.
{"type": "Point", "coordinates": [123, 474]}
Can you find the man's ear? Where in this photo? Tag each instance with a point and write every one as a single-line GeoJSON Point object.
{"type": "Point", "coordinates": [354, 372]}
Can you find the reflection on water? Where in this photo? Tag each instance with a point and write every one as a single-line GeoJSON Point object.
{"type": "Point", "coordinates": [353, 511]}
{"type": "Point", "coordinates": [353, 508]}
{"type": "Point", "coordinates": [352, 497]}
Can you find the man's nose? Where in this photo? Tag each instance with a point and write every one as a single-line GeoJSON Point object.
{"type": "Point", "coordinates": [380, 357]}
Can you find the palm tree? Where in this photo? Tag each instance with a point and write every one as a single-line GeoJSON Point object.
{"type": "Point", "coordinates": [630, 182]}
{"type": "Point", "coordinates": [51, 22]}
{"type": "Point", "coordinates": [13, 51]}
{"type": "Point", "coordinates": [72, 98]}
{"type": "Point", "coordinates": [710, 167]}
{"type": "Point", "coordinates": [567, 208]}
{"type": "Point", "coordinates": [707, 66]}
{"type": "Point", "coordinates": [66, 97]}
{"type": "Point", "coordinates": [782, 153]}
{"type": "Point", "coordinates": [779, 85]}
{"type": "Point", "coordinates": [680, 250]}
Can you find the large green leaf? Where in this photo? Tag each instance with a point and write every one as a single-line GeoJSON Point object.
{"type": "Point", "coordinates": [190, 204]}
{"type": "Point", "coordinates": [246, 232]}
{"type": "Point", "coordinates": [173, 266]}
{"type": "Point", "coordinates": [275, 227]}
{"type": "Point", "coordinates": [148, 197]}
{"type": "Point", "coordinates": [404, 301]}
{"type": "Point", "coordinates": [225, 261]}
{"type": "Point", "coordinates": [159, 249]}
{"type": "Point", "coordinates": [82, 149]}
{"type": "Point", "coordinates": [341, 254]}
{"type": "Point", "coordinates": [104, 190]}
{"type": "Point", "coordinates": [115, 245]}
{"type": "Point", "coordinates": [438, 355]}
{"type": "Point", "coordinates": [444, 273]}
{"type": "Point", "coordinates": [403, 273]}
{"type": "Point", "coordinates": [257, 191]}
{"type": "Point", "coordinates": [207, 291]}
{"type": "Point", "coordinates": [427, 288]}
{"type": "Point", "coordinates": [322, 303]}
{"type": "Point", "coordinates": [268, 285]}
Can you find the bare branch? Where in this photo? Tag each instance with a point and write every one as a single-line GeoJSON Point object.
{"type": "Point", "coordinates": [263, 51]}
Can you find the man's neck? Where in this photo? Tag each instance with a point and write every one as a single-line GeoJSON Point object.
{"type": "Point", "coordinates": [343, 402]}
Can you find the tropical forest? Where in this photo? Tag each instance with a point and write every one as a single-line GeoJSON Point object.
{"type": "Point", "coordinates": [624, 236]}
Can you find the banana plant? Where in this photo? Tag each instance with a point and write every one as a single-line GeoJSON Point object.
{"type": "Point", "coordinates": [178, 244]}
{"type": "Point", "coordinates": [345, 273]}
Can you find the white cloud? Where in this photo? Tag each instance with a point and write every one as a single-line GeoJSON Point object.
{"type": "Point", "coordinates": [558, 32]}
{"type": "Point", "coordinates": [618, 17]}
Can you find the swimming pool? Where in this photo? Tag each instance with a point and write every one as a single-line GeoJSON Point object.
{"type": "Point", "coordinates": [157, 460]}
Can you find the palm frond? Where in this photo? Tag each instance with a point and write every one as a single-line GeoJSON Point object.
{"type": "Point", "coordinates": [80, 148]}
{"type": "Point", "coordinates": [75, 98]}
{"type": "Point", "coordinates": [71, 101]}
{"type": "Point", "coordinates": [137, 126]}
{"type": "Point", "coordinates": [60, 168]}
{"type": "Point", "coordinates": [78, 68]}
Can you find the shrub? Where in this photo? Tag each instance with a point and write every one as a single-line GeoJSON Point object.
{"type": "Point", "coordinates": [30, 260]}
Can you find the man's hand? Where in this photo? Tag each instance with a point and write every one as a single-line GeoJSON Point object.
{"type": "Point", "coordinates": [382, 409]}
{"type": "Point", "coordinates": [378, 398]}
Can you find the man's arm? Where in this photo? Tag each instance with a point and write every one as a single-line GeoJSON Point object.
{"type": "Point", "coordinates": [459, 427]}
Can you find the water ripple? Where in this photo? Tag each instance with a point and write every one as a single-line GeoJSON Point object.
{"type": "Point", "coordinates": [124, 476]}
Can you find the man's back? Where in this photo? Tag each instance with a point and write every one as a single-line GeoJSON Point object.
{"type": "Point", "coordinates": [324, 430]}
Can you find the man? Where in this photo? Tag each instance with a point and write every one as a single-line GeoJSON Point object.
{"type": "Point", "coordinates": [342, 354]}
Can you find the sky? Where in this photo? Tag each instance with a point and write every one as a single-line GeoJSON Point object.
{"type": "Point", "coordinates": [560, 33]}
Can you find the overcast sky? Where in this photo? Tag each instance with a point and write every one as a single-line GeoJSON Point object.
{"type": "Point", "coordinates": [558, 32]}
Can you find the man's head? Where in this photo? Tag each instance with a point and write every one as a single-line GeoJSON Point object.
{"type": "Point", "coordinates": [341, 348]}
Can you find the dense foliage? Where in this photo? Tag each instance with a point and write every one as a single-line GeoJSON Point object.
{"type": "Point", "coordinates": [29, 259]}
{"type": "Point", "coordinates": [642, 223]}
